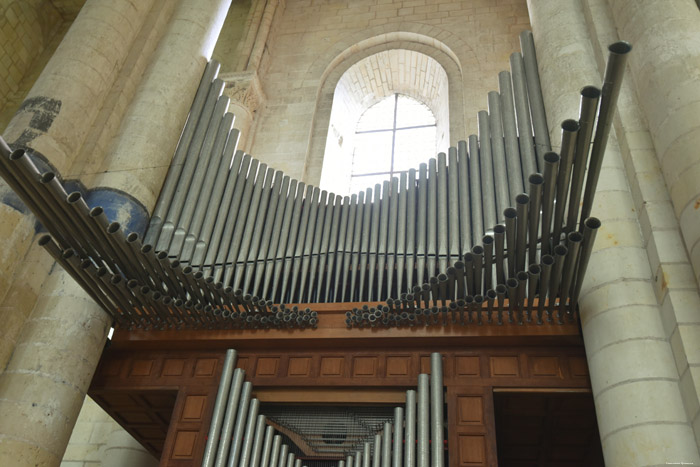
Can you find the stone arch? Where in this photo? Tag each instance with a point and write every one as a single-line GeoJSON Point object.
{"type": "Point", "coordinates": [435, 42]}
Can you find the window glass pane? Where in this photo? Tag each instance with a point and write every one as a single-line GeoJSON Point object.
{"type": "Point", "coordinates": [379, 116]}
{"type": "Point", "coordinates": [372, 153]}
{"type": "Point", "coordinates": [410, 112]}
{"type": "Point", "coordinates": [413, 147]}
{"type": "Point", "coordinates": [362, 182]}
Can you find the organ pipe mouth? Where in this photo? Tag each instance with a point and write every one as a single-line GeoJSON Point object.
{"type": "Point", "coordinates": [620, 48]}
{"type": "Point", "coordinates": [590, 92]}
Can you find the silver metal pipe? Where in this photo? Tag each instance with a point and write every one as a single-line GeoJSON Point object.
{"type": "Point", "coordinates": [391, 243]}
{"type": "Point", "coordinates": [590, 228]}
{"type": "Point", "coordinates": [275, 452]}
{"type": "Point", "coordinates": [386, 445]}
{"type": "Point", "coordinates": [488, 189]}
{"type": "Point", "coordinates": [423, 421]}
{"type": "Point", "coordinates": [232, 405]}
{"type": "Point", "coordinates": [263, 219]}
{"type": "Point", "coordinates": [522, 277]}
{"type": "Point", "coordinates": [297, 463]}
{"type": "Point", "coordinates": [267, 447]}
{"type": "Point", "coordinates": [355, 206]}
{"type": "Point", "coordinates": [256, 452]}
{"type": "Point", "coordinates": [378, 239]}
{"type": "Point", "coordinates": [334, 249]}
{"type": "Point", "coordinates": [358, 459]}
{"type": "Point", "coordinates": [522, 108]}
{"type": "Point", "coordinates": [228, 210]}
{"type": "Point", "coordinates": [401, 233]}
{"type": "Point", "coordinates": [422, 223]}
{"type": "Point", "coordinates": [307, 245]}
{"type": "Point", "coordinates": [551, 167]}
{"type": "Point", "coordinates": [487, 242]}
{"type": "Point", "coordinates": [534, 91]}
{"type": "Point", "coordinates": [522, 205]}
{"type": "Point", "coordinates": [498, 153]}
{"type": "Point", "coordinates": [476, 214]}
{"type": "Point", "coordinates": [410, 444]}
{"type": "Point", "coordinates": [367, 231]}
{"type": "Point", "coordinates": [462, 178]}
{"type": "Point", "coordinates": [341, 463]}
{"type": "Point", "coordinates": [569, 133]}
{"type": "Point", "coordinates": [319, 250]}
{"type": "Point", "coordinates": [478, 264]}
{"type": "Point", "coordinates": [499, 235]}
{"type": "Point", "coordinates": [560, 252]}
{"type": "Point", "coordinates": [248, 437]}
{"type": "Point", "coordinates": [533, 272]}
{"type": "Point", "coordinates": [574, 241]}
{"type": "Point", "coordinates": [510, 215]}
{"type": "Point", "coordinates": [284, 450]}
{"type": "Point", "coordinates": [201, 187]}
{"type": "Point", "coordinates": [436, 408]}
{"type": "Point", "coordinates": [239, 427]}
{"type": "Point", "coordinates": [612, 82]}
{"type": "Point", "coordinates": [512, 283]}
{"type": "Point", "coordinates": [222, 191]}
{"type": "Point", "coordinates": [350, 461]}
{"type": "Point", "coordinates": [238, 251]}
{"type": "Point", "coordinates": [282, 233]}
{"type": "Point", "coordinates": [290, 459]}
{"type": "Point", "coordinates": [411, 232]}
{"type": "Point", "coordinates": [367, 454]}
{"type": "Point", "coordinates": [454, 213]}
{"type": "Point", "coordinates": [546, 265]}
{"type": "Point", "coordinates": [294, 229]}
{"type": "Point", "coordinates": [270, 234]}
{"type": "Point", "coordinates": [397, 456]}
{"type": "Point", "coordinates": [343, 232]}
{"type": "Point", "coordinates": [377, 455]}
{"type": "Point", "coordinates": [536, 186]}
{"type": "Point", "coordinates": [590, 95]}
{"type": "Point", "coordinates": [190, 162]}
{"type": "Point", "coordinates": [217, 418]}
{"type": "Point", "coordinates": [515, 170]}
{"type": "Point", "coordinates": [176, 164]}
{"type": "Point", "coordinates": [443, 227]}
{"type": "Point", "coordinates": [433, 211]}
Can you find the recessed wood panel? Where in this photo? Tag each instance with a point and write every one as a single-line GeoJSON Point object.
{"type": "Point", "coordinates": [185, 442]}
{"type": "Point", "coordinates": [193, 408]}
{"type": "Point", "coordinates": [467, 366]}
{"type": "Point", "coordinates": [205, 367]}
{"type": "Point", "coordinates": [364, 366]}
{"type": "Point", "coordinates": [578, 367]}
{"type": "Point", "coordinates": [504, 366]}
{"type": "Point", "coordinates": [141, 367]}
{"type": "Point", "coordinates": [545, 366]}
{"type": "Point", "coordinates": [398, 365]}
{"type": "Point", "coordinates": [425, 364]}
{"type": "Point", "coordinates": [472, 450]}
{"type": "Point", "coordinates": [243, 363]}
{"type": "Point", "coordinates": [332, 366]}
{"type": "Point", "coordinates": [299, 366]}
{"type": "Point", "coordinates": [111, 367]}
{"type": "Point", "coordinates": [267, 366]}
{"type": "Point", "coordinates": [174, 367]}
{"type": "Point", "coordinates": [470, 410]}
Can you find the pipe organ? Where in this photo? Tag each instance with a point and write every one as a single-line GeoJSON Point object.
{"type": "Point", "coordinates": [492, 228]}
{"type": "Point", "coordinates": [240, 435]}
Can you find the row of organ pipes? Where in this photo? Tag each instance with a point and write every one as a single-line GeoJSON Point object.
{"type": "Point", "coordinates": [499, 207]}
{"type": "Point", "coordinates": [231, 240]}
{"type": "Point", "coordinates": [239, 435]}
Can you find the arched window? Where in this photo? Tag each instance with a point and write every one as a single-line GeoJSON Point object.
{"type": "Point", "coordinates": [390, 112]}
{"type": "Point", "coordinates": [392, 136]}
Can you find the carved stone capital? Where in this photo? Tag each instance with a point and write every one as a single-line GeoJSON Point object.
{"type": "Point", "coordinates": [244, 89]}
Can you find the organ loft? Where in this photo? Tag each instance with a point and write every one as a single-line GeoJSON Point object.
{"type": "Point", "coordinates": [350, 233]}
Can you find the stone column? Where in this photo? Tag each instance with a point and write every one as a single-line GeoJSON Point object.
{"type": "Point", "coordinates": [141, 151]}
{"type": "Point", "coordinates": [665, 69]}
{"type": "Point", "coordinates": [641, 417]}
{"type": "Point", "coordinates": [59, 110]}
{"type": "Point", "coordinates": [123, 450]}
{"type": "Point", "coordinates": [44, 385]}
